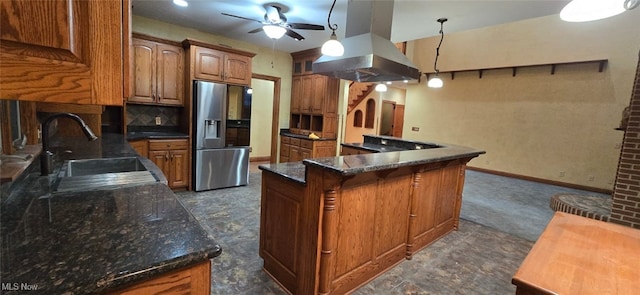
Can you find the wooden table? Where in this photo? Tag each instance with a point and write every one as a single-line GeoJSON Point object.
{"type": "Point", "coordinates": [579, 255]}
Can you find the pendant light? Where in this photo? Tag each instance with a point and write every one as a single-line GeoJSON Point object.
{"type": "Point", "coordinates": [381, 88]}
{"type": "Point", "coordinates": [182, 3]}
{"type": "Point", "coordinates": [436, 82]}
{"type": "Point", "coordinates": [589, 10]}
{"type": "Point", "coordinates": [333, 47]}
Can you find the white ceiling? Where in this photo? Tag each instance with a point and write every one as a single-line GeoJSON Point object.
{"type": "Point", "coordinates": [412, 19]}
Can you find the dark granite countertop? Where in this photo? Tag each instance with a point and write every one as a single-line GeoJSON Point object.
{"type": "Point", "coordinates": [354, 164]}
{"type": "Point", "coordinates": [291, 170]}
{"type": "Point", "coordinates": [154, 132]}
{"type": "Point", "coordinates": [94, 241]}
{"type": "Point", "coordinates": [287, 133]}
{"type": "Point", "coordinates": [374, 148]}
{"type": "Point", "coordinates": [381, 160]}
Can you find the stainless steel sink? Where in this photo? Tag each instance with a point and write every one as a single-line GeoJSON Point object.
{"type": "Point", "coordinates": [104, 173]}
{"type": "Point", "coordinates": [102, 166]}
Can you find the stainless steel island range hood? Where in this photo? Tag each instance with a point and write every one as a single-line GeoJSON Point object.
{"type": "Point", "coordinates": [369, 55]}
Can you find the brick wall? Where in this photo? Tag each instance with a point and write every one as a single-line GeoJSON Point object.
{"type": "Point", "coordinates": [625, 208]}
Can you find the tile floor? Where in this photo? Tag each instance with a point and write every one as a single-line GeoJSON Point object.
{"type": "Point", "coordinates": [480, 258]}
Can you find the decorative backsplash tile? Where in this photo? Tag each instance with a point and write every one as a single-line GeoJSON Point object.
{"type": "Point", "coordinates": [145, 115]}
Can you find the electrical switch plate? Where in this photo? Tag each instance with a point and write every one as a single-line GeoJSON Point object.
{"type": "Point", "coordinates": [158, 120]}
{"type": "Point", "coordinates": [415, 128]}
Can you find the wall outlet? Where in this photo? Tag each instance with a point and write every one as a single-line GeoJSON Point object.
{"type": "Point", "coordinates": [592, 178]}
{"type": "Point", "coordinates": [415, 128]}
{"type": "Point", "coordinates": [158, 120]}
{"type": "Point", "coordinates": [561, 174]}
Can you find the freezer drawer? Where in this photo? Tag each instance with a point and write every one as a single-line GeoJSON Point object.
{"type": "Point", "coordinates": [218, 168]}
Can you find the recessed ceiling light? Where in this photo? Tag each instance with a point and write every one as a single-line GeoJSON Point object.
{"type": "Point", "coordinates": [182, 3]}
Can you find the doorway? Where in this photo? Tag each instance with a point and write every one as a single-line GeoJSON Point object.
{"type": "Point", "coordinates": [392, 118]}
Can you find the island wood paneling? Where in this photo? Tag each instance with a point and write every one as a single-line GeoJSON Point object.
{"type": "Point", "coordinates": [337, 232]}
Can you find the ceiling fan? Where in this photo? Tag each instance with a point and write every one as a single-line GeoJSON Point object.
{"type": "Point", "coordinates": [275, 23]}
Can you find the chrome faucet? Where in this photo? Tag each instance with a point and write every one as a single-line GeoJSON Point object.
{"type": "Point", "coordinates": [46, 158]}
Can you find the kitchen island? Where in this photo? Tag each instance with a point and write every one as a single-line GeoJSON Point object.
{"type": "Point", "coordinates": [330, 225]}
{"type": "Point", "coordinates": [134, 238]}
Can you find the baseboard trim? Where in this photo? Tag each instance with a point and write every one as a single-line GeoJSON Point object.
{"type": "Point", "coordinates": [542, 180]}
{"type": "Point", "coordinates": [260, 159]}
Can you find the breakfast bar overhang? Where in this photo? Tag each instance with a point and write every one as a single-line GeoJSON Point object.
{"type": "Point", "coordinates": [330, 225]}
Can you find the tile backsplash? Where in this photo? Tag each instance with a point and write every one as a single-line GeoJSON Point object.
{"type": "Point", "coordinates": [145, 115]}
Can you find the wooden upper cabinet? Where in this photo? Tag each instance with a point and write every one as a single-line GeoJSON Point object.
{"type": "Point", "coordinates": [67, 51]}
{"type": "Point", "coordinates": [144, 68]}
{"type": "Point", "coordinates": [209, 64]}
{"type": "Point", "coordinates": [158, 72]}
{"type": "Point", "coordinates": [170, 74]}
{"type": "Point", "coordinates": [296, 91]}
{"type": "Point", "coordinates": [219, 64]}
{"type": "Point", "coordinates": [237, 69]}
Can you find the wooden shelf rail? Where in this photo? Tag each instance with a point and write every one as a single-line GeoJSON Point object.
{"type": "Point", "coordinates": [601, 64]}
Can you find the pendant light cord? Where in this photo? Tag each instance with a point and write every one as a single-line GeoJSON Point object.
{"type": "Point", "coordinates": [335, 26]}
{"type": "Point", "coordinates": [435, 64]}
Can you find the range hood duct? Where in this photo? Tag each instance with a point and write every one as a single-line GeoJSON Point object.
{"type": "Point", "coordinates": [369, 55]}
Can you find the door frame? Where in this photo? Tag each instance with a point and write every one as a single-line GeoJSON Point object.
{"type": "Point", "coordinates": [275, 113]}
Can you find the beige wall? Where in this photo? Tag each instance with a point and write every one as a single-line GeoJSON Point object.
{"type": "Point", "coordinates": [354, 134]}
{"type": "Point", "coordinates": [261, 117]}
{"type": "Point", "coordinates": [266, 62]}
{"type": "Point", "coordinates": [558, 127]}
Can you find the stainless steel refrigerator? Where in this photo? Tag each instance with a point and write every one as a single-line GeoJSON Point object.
{"type": "Point", "coordinates": [214, 164]}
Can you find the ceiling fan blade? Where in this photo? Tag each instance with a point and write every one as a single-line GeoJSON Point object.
{"type": "Point", "coordinates": [294, 35]}
{"type": "Point", "coordinates": [256, 30]}
{"type": "Point", "coordinates": [242, 17]}
{"type": "Point", "coordinates": [301, 26]}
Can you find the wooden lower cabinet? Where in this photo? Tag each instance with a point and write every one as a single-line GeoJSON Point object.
{"type": "Point", "coordinates": [194, 280]}
{"type": "Point", "coordinates": [294, 149]}
{"type": "Point", "coordinates": [141, 147]}
{"type": "Point", "coordinates": [337, 232]}
{"type": "Point", "coordinates": [172, 157]}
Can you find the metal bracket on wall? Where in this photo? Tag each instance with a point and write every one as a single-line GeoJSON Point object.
{"type": "Point", "coordinates": [514, 69]}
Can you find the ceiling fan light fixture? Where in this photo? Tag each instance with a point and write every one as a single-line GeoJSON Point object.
{"type": "Point", "coordinates": [273, 31]}
{"type": "Point", "coordinates": [182, 3]}
{"type": "Point", "coordinates": [589, 10]}
{"type": "Point", "coordinates": [332, 47]}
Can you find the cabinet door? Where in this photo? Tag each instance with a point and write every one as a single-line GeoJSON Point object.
{"type": "Point", "coordinates": [294, 153]}
{"type": "Point", "coordinates": [305, 154]}
{"type": "Point", "coordinates": [144, 71]}
{"type": "Point", "coordinates": [319, 92]}
{"type": "Point", "coordinates": [307, 93]}
{"type": "Point", "coordinates": [141, 147]}
{"type": "Point", "coordinates": [169, 74]}
{"type": "Point", "coordinates": [179, 169]}
{"type": "Point", "coordinates": [62, 51]}
{"type": "Point", "coordinates": [161, 159]}
{"type": "Point", "coordinates": [296, 94]}
{"type": "Point", "coordinates": [237, 69]}
{"type": "Point", "coordinates": [209, 64]}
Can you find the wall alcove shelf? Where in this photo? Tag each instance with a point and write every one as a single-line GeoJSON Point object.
{"type": "Point", "coordinates": [601, 64]}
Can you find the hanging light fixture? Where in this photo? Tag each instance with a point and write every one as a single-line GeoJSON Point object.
{"type": "Point", "coordinates": [274, 31]}
{"type": "Point", "coordinates": [333, 47]}
{"type": "Point", "coordinates": [381, 88]}
{"type": "Point", "coordinates": [182, 3]}
{"type": "Point", "coordinates": [588, 10]}
{"type": "Point", "coordinates": [436, 82]}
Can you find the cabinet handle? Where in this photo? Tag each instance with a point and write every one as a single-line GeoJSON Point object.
{"type": "Point", "coordinates": [153, 96]}
{"type": "Point", "coordinates": [166, 156]}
